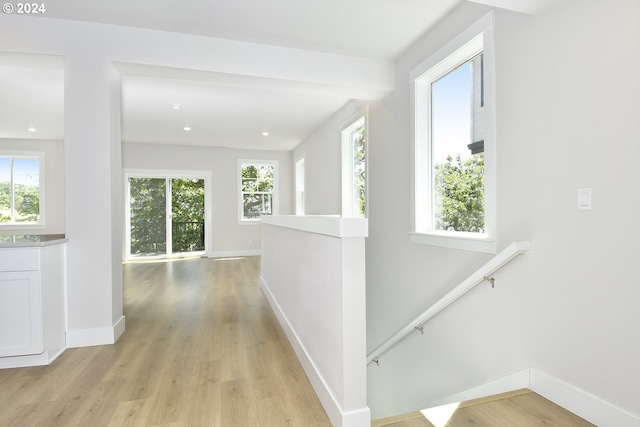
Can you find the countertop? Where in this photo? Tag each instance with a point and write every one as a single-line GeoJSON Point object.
{"type": "Point", "coordinates": [34, 240]}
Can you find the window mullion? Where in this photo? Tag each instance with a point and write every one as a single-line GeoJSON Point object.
{"type": "Point", "coordinates": [169, 217]}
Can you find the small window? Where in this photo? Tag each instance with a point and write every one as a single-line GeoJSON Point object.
{"type": "Point", "coordinates": [354, 178]}
{"type": "Point", "coordinates": [300, 186]}
{"type": "Point", "coordinates": [21, 190]}
{"type": "Point", "coordinates": [454, 186]}
{"type": "Point", "coordinates": [258, 189]}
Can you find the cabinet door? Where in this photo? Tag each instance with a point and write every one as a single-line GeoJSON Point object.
{"type": "Point", "coordinates": [20, 313]}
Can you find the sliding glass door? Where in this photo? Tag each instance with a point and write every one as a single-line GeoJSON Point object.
{"type": "Point", "coordinates": [148, 216]}
{"type": "Point", "coordinates": [187, 215]}
{"type": "Point", "coordinates": [165, 216]}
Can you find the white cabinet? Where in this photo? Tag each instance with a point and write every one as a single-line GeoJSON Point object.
{"type": "Point", "coordinates": [32, 324]}
{"type": "Point", "coordinates": [20, 313]}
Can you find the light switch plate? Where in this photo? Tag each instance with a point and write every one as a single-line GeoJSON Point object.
{"type": "Point", "coordinates": [584, 199]}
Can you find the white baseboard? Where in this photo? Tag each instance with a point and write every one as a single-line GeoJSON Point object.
{"type": "Point", "coordinates": [337, 416]}
{"type": "Point", "coordinates": [360, 417]}
{"type": "Point", "coordinates": [55, 355]}
{"type": "Point", "coordinates": [41, 359]}
{"type": "Point", "coordinates": [581, 403]}
{"type": "Point", "coordinates": [97, 336]}
{"type": "Point", "coordinates": [118, 329]}
{"type": "Point", "coordinates": [240, 253]}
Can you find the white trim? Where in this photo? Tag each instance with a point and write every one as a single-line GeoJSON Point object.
{"type": "Point", "coordinates": [338, 417]}
{"type": "Point", "coordinates": [477, 38]}
{"type": "Point", "coordinates": [357, 120]}
{"type": "Point", "coordinates": [168, 173]}
{"type": "Point", "coordinates": [461, 241]}
{"type": "Point", "coordinates": [95, 336]}
{"type": "Point", "coordinates": [40, 155]}
{"type": "Point", "coordinates": [570, 397]}
{"type": "Point", "coordinates": [41, 359]}
{"type": "Point", "coordinates": [118, 328]}
{"type": "Point", "coordinates": [238, 253]}
{"type": "Point", "coordinates": [580, 402]}
{"type": "Point", "coordinates": [299, 183]}
{"type": "Point", "coordinates": [328, 225]}
{"type": "Point", "coordinates": [478, 27]}
{"type": "Point", "coordinates": [275, 200]}
{"type": "Point", "coordinates": [252, 221]}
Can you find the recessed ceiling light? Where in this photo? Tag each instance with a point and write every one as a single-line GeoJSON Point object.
{"type": "Point", "coordinates": [32, 129]}
{"type": "Point", "coordinates": [176, 106]}
{"type": "Point", "coordinates": [187, 128]}
{"type": "Point", "coordinates": [265, 133]}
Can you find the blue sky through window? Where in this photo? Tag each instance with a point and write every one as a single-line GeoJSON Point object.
{"type": "Point", "coordinates": [26, 171]}
{"type": "Point", "coordinates": [451, 114]}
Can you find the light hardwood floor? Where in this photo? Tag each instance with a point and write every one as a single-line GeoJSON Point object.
{"type": "Point", "coordinates": [201, 348]}
{"type": "Point", "coordinates": [520, 408]}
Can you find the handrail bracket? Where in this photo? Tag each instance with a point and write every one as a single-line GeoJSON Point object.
{"type": "Point", "coordinates": [491, 280]}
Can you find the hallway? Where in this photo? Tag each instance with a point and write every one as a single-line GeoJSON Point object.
{"type": "Point", "coordinates": [201, 348]}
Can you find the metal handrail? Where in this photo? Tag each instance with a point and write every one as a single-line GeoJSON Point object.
{"type": "Point", "coordinates": [483, 273]}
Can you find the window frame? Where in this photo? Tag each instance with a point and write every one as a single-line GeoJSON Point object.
{"type": "Point", "coordinates": [274, 194]}
{"type": "Point", "coordinates": [456, 52]}
{"type": "Point", "coordinates": [40, 155]}
{"type": "Point", "coordinates": [167, 174]}
{"type": "Point", "coordinates": [299, 171]}
{"type": "Point", "coordinates": [348, 210]}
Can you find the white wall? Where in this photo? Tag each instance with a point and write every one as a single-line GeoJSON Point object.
{"type": "Point", "coordinates": [92, 161]}
{"type": "Point", "coordinates": [229, 237]}
{"type": "Point", "coordinates": [567, 118]}
{"type": "Point", "coordinates": [53, 179]}
{"type": "Point", "coordinates": [322, 163]}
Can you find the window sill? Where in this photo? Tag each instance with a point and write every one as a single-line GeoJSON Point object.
{"type": "Point", "coordinates": [453, 240]}
{"type": "Point", "coordinates": [249, 222]}
{"type": "Point", "coordinates": [25, 226]}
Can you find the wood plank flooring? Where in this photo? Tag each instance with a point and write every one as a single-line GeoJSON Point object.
{"type": "Point", "coordinates": [201, 348]}
{"type": "Point", "coordinates": [522, 408]}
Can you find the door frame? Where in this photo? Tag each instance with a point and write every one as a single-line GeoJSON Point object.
{"type": "Point", "coordinates": [164, 174]}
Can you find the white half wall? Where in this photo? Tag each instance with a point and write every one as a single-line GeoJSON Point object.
{"type": "Point", "coordinates": [313, 276]}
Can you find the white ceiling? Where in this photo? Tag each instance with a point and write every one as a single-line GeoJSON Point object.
{"type": "Point", "coordinates": [32, 89]}
{"type": "Point", "coordinates": [368, 28]}
{"type": "Point", "coordinates": [222, 110]}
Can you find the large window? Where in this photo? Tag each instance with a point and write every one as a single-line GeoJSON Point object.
{"type": "Point", "coordinates": [21, 189]}
{"type": "Point", "coordinates": [454, 188]}
{"type": "Point", "coordinates": [258, 189]}
{"type": "Point", "coordinates": [354, 153]}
